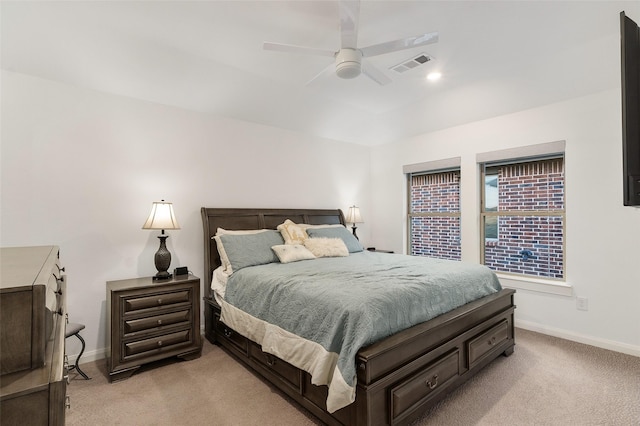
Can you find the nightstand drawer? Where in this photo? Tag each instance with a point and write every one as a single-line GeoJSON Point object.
{"type": "Point", "coordinates": [131, 326]}
{"type": "Point", "coordinates": [157, 344]}
{"type": "Point", "coordinates": [160, 299]}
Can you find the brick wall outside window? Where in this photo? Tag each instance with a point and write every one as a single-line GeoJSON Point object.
{"type": "Point", "coordinates": [531, 245]}
{"type": "Point", "coordinates": [433, 234]}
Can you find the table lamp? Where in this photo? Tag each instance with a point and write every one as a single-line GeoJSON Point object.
{"type": "Point", "coordinates": [162, 217]}
{"type": "Point", "coordinates": [354, 217]}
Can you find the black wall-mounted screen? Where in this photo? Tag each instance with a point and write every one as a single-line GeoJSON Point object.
{"type": "Point", "coordinates": [630, 46]}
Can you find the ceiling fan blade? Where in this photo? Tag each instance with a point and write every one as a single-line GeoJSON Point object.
{"type": "Point", "coordinates": [374, 74]}
{"type": "Point", "coordinates": [326, 72]}
{"type": "Point", "coordinates": [291, 48]}
{"type": "Point", "coordinates": [404, 43]}
{"type": "Point", "coordinates": [349, 14]}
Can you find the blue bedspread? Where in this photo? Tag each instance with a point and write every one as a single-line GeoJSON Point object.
{"type": "Point", "coordinates": [338, 305]}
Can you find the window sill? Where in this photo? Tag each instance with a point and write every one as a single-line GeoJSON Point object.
{"type": "Point", "coordinates": [536, 284]}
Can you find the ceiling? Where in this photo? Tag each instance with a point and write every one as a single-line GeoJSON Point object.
{"type": "Point", "coordinates": [207, 56]}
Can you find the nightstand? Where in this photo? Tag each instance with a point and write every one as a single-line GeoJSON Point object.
{"type": "Point", "coordinates": [379, 251]}
{"type": "Point", "coordinates": [151, 320]}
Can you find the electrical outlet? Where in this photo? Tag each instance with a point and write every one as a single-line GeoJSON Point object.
{"type": "Point", "coordinates": [582, 303]}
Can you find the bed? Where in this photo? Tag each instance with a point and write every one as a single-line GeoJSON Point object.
{"type": "Point", "coordinates": [397, 377]}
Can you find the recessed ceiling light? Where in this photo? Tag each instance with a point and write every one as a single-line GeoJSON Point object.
{"type": "Point", "coordinates": [433, 76]}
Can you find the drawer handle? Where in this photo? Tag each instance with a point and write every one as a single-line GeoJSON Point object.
{"type": "Point", "coordinates": [227, 333]}
{"type": "Point", "coordinates": [159, 322]}
{"type": "Point", "coordinates": [491, 341]}
{"type": "Point", "coordinates": [271, 361]}
{"type": "Point", "coordinates": [159, 343]}
{"type": "Point", "coordinates": [159, 301]}
{"type": "Point", "coordinates": [433, 382]}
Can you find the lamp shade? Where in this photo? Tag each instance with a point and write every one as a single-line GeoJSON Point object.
{"type": "Point", "coordinates": [161, 217]}
{"type": "Point", "coordinates": [353, 216]}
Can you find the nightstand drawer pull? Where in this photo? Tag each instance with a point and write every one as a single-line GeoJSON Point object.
{"type": "Point", "coordinates": [159, 343]}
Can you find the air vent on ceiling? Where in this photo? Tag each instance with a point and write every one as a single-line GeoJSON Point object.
{"type": "Point", "coordinates": [412, 63]}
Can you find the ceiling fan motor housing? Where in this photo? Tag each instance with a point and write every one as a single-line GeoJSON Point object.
{"type": "Point", "coordinates": [348, 63]}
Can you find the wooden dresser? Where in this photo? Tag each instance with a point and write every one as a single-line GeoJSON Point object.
{"type": "Point", "coordinates": [32, 336]}
{"type": "Point", "coordinates": [151, 320]}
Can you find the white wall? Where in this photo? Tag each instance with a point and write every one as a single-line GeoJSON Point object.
{"type": "Point", "coordinates": [602, 236]}
{"type": "Point", "coordinates": [81, 168]}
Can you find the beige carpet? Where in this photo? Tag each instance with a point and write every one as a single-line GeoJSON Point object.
{"type": "Point", "coordinates": [547, 381]}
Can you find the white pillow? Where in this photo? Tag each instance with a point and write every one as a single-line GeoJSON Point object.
{"type": "Point", "coordinates": [222, 231]}
{"type": "Point", "coordinates": [292, 253]}
{"type": "Point", "coordinates": [292, 232]}
{"type": "Point", "coordinates": [327, 247]}
{"type": "Point", "coordinates": [307, 226]}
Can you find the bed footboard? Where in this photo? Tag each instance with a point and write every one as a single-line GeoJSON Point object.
{"type": "Point", "coordinates": [400, 377]}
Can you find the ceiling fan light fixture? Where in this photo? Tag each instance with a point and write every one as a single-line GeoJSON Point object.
{"type": "Point", "coordinates": [348, 63]}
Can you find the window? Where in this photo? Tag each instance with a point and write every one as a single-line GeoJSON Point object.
{"type": "Point", "coordinates": [523, 216]}
{"type": "Point", "coordinates": [434, 214]}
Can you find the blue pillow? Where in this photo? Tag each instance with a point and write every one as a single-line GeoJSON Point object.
{"type": "Point", "coordinates": [251, 249]}
{"type": "Point", "coordinates": [352, 243]}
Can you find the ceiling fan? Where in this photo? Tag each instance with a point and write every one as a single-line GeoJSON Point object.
{"type": "Point", "coordinates": [349, 61]}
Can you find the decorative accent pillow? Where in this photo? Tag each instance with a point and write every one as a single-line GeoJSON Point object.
{"type": "Point", "coordinates": [292, 253]}
{"type": "Point", "coordinates": [292, 232]}
{"type": "Point", "coordinates": [238, 251]}
{"type": "Point", "coordinates": [327, 247]}
{"type": "Point", "coordinates": [306, 226]}
{"type": "Point", "coordinates": [353, 245]}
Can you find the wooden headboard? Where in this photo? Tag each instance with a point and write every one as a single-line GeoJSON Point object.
{"type": "Point", "coordinates": [236, 219]}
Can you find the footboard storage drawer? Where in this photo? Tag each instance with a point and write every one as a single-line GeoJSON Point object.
{"type": "Point", "coordinates": [481, 346]}
{"type": "Point", "coordinates": [231, 338]}
{"type": "Point", "coordinates": [424, 385]}
{"type": "Point", "coordinates": [282, 369]}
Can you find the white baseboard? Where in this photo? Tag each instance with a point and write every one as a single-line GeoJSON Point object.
{"type": "Point", "coordinates": [99, 354]}
{"type": "Point", "coordinates": [580, 338]}
{"type": "Point", "coordinates": [88, 356]}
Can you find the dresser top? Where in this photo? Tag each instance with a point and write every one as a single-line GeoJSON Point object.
{"type": "Point", "coordinates": [22, 266]}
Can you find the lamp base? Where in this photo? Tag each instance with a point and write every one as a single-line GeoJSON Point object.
{"type": "Point", "coordinates": [161, 276]}
{"type": "Point", "coordinates": [162, 260]}
{"type": "Point", "coordinates": [354, 227]}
